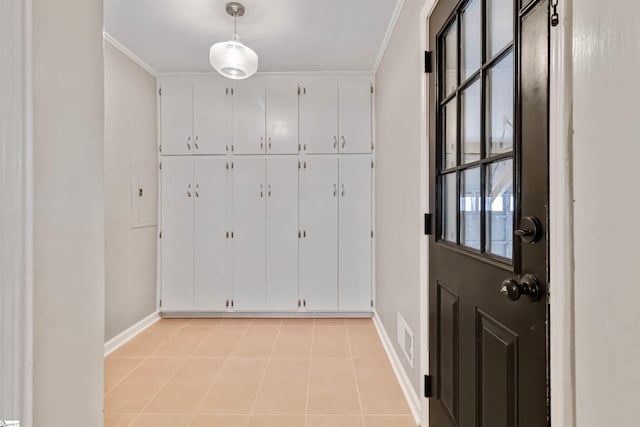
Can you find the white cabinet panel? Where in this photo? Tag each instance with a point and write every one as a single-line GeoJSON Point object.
{"type": "Point", "coordinates": [177, 233]}
{"type": "Point", "coordinates": [355, 115]}
{"type": "Point", "coordinates": [282, 117]}
{"type": "Point", "coordinates": [249, 233]}
{"type": "Point", "coordinates": [319, 222]}
{"type": "Point", "coordinates": [177, 118]}
{"type": "Point", "coordinates": [211, 118]}
{"type": "Point", "coordinates": [249, 117]}
{"type": "Point", "coordinates": [319, 116]}
{"type": "Point", "coordinates": [355, 233]}
{"type": "Point", "coordinates": [282, 233]}
{"type": "Point", "coordinates": [210, 240]}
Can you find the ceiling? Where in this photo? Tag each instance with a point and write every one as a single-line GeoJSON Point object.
{"type": "Point", "coordinates": [287, 35]}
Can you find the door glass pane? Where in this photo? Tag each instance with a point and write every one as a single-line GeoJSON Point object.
{"type": "Point", "coordinates": [450, 134]}
{"type": "Point", "coordinates": [470, 207]}
{"type": "Point", "coordinates": [451, 59]}
{"type": "Point", "coordinates": [471, 33]}
{"type": "Point", "coordinates": [449, 207]}
{"type": "Point", "coordinates": [471, 114]}
{"type": "Point", "coordinates": [499, 25]}
{"type": "Point", "coordinates": [499, 208]}
{"type": "Point", "coordinates": [500, 107]}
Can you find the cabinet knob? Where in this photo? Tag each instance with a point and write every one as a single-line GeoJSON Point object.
{"type": "Point", "coordinates": [335, 141]}
{"type": "Point", "coordinates": [196, 143]}
{"type": "Point", "coordinates": [189, 143]}
{"type": "Point", "coordinates": [344, 141]}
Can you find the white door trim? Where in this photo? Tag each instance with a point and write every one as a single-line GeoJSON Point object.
{"type": "Point", "coordinates": [562, 362]}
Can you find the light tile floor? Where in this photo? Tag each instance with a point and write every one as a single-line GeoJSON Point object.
{"type": "Point", "coordinates": [254, 373]}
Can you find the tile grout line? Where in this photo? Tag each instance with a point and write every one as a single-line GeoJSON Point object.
{"type": "Point", "coordinates": [355, 375]}
{"type": "Point", "coordinates": [224, 365]}
{"type": "Point", "coordinates": [176, 371]}
{"type": "Point", "coordinates": [144, 359]}
{"type": "Point", "coordinates": [255, 399]}
{"type": "Point", "coordinates": [306, 411]}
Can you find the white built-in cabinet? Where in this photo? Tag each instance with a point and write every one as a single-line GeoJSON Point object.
{"type": "Point", "coordinates": [266, 194]}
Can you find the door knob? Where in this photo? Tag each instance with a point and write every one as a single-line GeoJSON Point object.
{"type": "Point", "coordinates": [528, 285]}
{"type": "Point", "coordinates": [529, 230]}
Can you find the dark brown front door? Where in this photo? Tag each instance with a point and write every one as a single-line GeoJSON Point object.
{"type": "Point", "coordinates": [488, 257]}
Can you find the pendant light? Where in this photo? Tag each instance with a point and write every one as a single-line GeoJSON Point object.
{"type": "Point", "coordinates": [232, 58]}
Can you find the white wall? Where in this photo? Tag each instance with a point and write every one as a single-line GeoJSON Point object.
{"type": "Point", "coordinates": [398, 106]}
{"type": "Point", "coordinates": [607, 260]}
{"type": "Point", "coordinates": [130, 139]}
{"type": "Point", "coordinates": [69, 213]}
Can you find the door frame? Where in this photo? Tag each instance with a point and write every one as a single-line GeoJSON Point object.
{"type": "Point", "coordinates": [562, 357]}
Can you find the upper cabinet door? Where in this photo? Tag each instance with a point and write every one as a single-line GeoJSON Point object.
{"type": "Point", "coordinates": [355, 116]}
{"type": "Point", "coordinates": [210, 239]}
{"type": "Point", "coordinates": [211, 118]}
{"type": "Point", "coordinates": [319, 116]}
{"type": "Point", "coordinates": [282, 117]}
{"type": "Point", "coordinates": [177, 118]}
{"type": "Point", "coordinates": [355, 233]}
{"type": "Point", "coordinates": [249, 117]}
{"type": "Point", "coordinates": [177, 233]}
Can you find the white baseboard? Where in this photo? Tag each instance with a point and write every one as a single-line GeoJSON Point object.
{"type": "Point", "coordinates": [407, 388]}
{"type": "Point", "coordinates": [119, 340]}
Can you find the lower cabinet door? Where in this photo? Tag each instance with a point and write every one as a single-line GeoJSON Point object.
{"type": "Point", "coordinates": [210, 238]}
{"type": "Point", "coordinates": [178, 196]}
{"type": "Point", "coordinates": [355, 246]}
{"type": "Point", "coordinates": [319, 224]}
{"type": "Point", "coordinates": [249, 192]}
{"type": "Point", "coordinates": [282, 233]}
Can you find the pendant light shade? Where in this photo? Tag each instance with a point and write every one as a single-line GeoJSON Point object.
{"type": "Point", "coordinates": [232, 58]}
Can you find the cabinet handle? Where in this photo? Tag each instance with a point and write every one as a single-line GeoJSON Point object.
{"type": "Point", "coordinates": [269, 143]}
{"type": "Point", "coordinates": [261, 190]}
{"type": "Point", "coordinates": [189, 190]}
{"type": "Point", "coordinates": [196, 143]}
{"type": "Point", "coordinates": [232, 235]}
{"type": "Point", "coordinates": [196, 192]}
{"type": "Point", "coordinates": [304, 234]}
{"type": "Point", "coordinates": [335, 190]}
{"type": "Point", "coordinates": [227, 234]}
{"type": "Point", "coordinates": [188, 143]}
{"type": "Point", "coordinates": [226, 147]}
{"type": "Point", "coordinates": [344, 141]}
{"type": "Point", "coordinates": [232, 148]}
{"type": "Point", "coordinates": [335, 141]}
{"type": "Point", "coordinates": [261, 142]}
{"type": "Point", "coordinates": [342, 185]}
{"type": "Point", "coordinates": [269, 190]}
{"type": "Point", "coordinates": [299, 234]}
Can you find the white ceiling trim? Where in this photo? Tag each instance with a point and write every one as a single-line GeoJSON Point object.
{"type": "Point", "coordinates": [271, 73]}
{"type": "Point", "coordinates": [126, 51]}
{"type": "Point", "coordinates": [388, 34]}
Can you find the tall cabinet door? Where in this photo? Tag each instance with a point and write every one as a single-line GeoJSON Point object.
{"type": "Point", "coordinates": [282, 117]}
{"type": "Point", "coordinates": [355, 115]}
{"type": "Point", "coordinates": [249, 117]}
{"type": "Point", "coordinates": [319, 116]}
{"type": "Point", "coordinates": [211, 118]}
{"type": "Point", "coordinates": [210, 240]}
{"type": "Point", "coordinates": [282, 233]}
{"type": "Point", "coordinates": [319, 224]}
{"type": "Point", "coordinates": [177, 233]}
{"type": "Point", "coordinates": [249, 192]}
{"type": "Point", "coordinates": [355, 233]}
{"type": "Point", "coordinates": [176, 106]}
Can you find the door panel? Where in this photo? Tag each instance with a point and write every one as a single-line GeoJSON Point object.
{"type": "Point", "coordinates": [210, 241]}
{"type": "Point", "coordinates": [177, 118]}
{"type": "Point", "coordinates": [282, 117]}
{"type": "Point", "coordinates": [354, 116]}
{"type": "Point", "coordinates": [489, 177]}
{"type": "Point", "coordinates": [319, 242]}
{"type": "Point", "coordinates": [319, 116]}
{"type": "Point", "coordinates": [249, 233]}
{"type": "Point", "coordinates": [282, 233]}
{"type": "Point", "coordinates": [249, 117]}
{"type": "Point", "coordinates": [212, 118]}
{"type": "Point", "coordinates": [355, 233]}
{"type": "Point", "coordinates": [177, 233]}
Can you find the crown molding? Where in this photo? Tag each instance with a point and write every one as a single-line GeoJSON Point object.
{"type": "Point", "coordinates": [388, 34]}
{"type": "Point", "coordinates": [126, 51]}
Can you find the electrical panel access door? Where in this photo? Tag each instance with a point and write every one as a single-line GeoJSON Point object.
{"type": "Point", "coordinates": [319, 116]}
{"type": "Point", "coordinates": [319, 233]}
{"type": "Point", "coordinates": [355, 233]}
{"type": "Point", "coordinates": [177, 118]}
{"type": "Point", "coordinates": [210, 237]}
{"type": "Point", "coordinates": [282, 233]}
{"type": "Point", "coordinates": [249, 117]}
{"type": "Point", "coordinates": [211, 117]}
{"type": "Point", "coordinates": [249, 192]}
{"type": "Point", "coordinates": [355, 115]}
{"type": "Point", "coordinates": [282, 116]}
{"type": "Point", "coordinates": [177, 233]}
